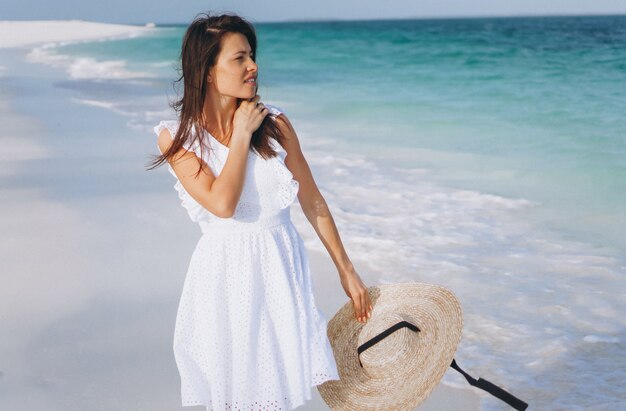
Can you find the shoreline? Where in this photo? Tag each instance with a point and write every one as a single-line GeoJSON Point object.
{"type": "Point", "coordinates": [17, 34]}
{"type": "Point", "coordinates": [78, 246]}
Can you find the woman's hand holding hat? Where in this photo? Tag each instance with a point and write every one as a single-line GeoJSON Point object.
{"type": "Point", "coordinates": [357, 291]}
{"type": "Point", "coordinates": [396, 360]}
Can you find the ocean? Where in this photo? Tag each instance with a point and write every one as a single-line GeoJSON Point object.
{"type": "Point", "coordinates": [487, 155]}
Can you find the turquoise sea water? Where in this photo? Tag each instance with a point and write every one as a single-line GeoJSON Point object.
{"type": "Point", "coordinates": [533, 107]}
{"type": "Point", "coordinates": [488, 155]}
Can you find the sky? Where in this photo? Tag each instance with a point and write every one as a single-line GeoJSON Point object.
{"type": "Point", "coordinates": [169, 11]}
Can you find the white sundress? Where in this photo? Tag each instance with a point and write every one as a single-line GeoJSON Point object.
{"type": "Point", "coordinates": [248, 333]}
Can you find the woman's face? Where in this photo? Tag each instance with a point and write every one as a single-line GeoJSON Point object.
{"type": "Point", "coordinates": [234, 67]}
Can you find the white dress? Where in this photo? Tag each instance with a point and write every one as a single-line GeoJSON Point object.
{"type": "Point", "coordinates": [248, 333]}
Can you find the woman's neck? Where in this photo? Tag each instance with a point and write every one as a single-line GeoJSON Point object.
{"type": "Point", "coordinates": [218, 116]}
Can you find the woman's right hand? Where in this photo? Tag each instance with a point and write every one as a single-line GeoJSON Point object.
{"type": "Point", "coordinates": [249, 116]}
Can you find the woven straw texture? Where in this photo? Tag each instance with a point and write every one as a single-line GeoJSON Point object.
{"type": "Point", "coordinates": [400, 371]}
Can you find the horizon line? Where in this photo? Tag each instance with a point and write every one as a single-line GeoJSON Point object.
{"type": "Point", "coordinates": [342, 20]}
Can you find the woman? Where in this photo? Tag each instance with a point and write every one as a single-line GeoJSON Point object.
{"type": "Point", "coordinates": [248, 334]}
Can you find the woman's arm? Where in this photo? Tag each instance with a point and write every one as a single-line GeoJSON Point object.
{"type": "Point", "coordinates": [219, 194]}
{"type": "Point", "coordinates": [318, 214]}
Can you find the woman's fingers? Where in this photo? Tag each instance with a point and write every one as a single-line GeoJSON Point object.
{"type": "Point", "coordinates": [357, 307]}
{"type": "Point", "coordinates": [362, 306]}
{"type": "Point", "coordinates": [367, 305]}
{"type": "Point", "coordinates": [250, 114]}
{"type": "Point", "coordinates": [358, 293]}
{"type": "Point", "coordinates": [258, 106]}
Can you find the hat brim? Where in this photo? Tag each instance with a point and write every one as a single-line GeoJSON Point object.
{"type": "Point", "coordinates": [404, 385]}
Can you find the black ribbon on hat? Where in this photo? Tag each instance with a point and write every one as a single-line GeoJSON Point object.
{"type": "Point", "coordinates": [480, 383]}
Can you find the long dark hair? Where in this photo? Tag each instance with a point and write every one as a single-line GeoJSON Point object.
{"type": "Point", "coordinates": [201, 46]}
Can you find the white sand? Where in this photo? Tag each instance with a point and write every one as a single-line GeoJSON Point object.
{"type": "Point", "coordinates": [27, 33]}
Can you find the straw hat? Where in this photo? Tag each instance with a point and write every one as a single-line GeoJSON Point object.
{"type": "Point", "coordinates": [396, 359]}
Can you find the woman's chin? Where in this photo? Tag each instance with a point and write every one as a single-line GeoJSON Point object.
{"type": "Point", "coordinates": [245, 95]}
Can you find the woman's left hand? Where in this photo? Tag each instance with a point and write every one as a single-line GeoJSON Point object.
{"type": "Point", "coordinates": [357, 291]}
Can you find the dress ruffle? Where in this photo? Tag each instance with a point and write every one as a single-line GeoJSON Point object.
{"type": "Point", "coordinates": [289, 187]}
{"type": "Point", "coordinates": [196, 211]}
{"type": "Point", "coordinates": [281, 196]}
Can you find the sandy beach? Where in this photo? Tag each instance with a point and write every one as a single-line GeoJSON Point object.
{"type": "Point", "coordinates": [27, 33]}
{"type": "Point", "coordinates": [95, 248]}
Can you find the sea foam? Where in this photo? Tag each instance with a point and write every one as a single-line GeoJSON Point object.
{"type": "Point", "coordinates": [85, 67]}
{"type": "Point", "coordinates": [523, 289]}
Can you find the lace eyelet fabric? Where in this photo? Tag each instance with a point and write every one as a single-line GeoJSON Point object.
{"type": "Point", "coordinates": [248, 333]}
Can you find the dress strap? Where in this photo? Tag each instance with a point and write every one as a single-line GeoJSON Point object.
{"type": "Point", "coordinates": [274, 110]}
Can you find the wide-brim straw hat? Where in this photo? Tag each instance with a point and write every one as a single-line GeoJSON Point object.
{"type": "Point", "coordinates": [396, 359]}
